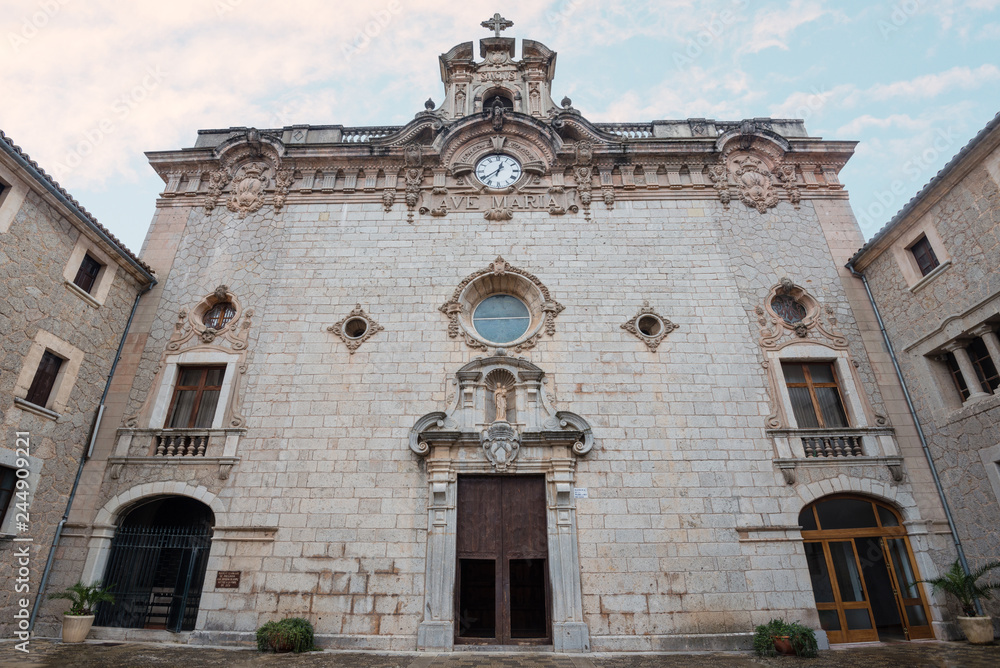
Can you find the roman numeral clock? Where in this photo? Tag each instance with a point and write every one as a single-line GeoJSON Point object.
{"type": "Point", "coordinates": [498, 170]}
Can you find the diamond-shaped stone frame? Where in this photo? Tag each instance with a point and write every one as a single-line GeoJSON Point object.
{"type": "Point", "coordinates": [651, 342]}
{"type": "Point", "coordinates": [352, 343]}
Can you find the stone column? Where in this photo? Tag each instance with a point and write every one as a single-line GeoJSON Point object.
{"type": "Point", "coordinates": [437, 631]}
{"type": "Point", "coordinates": [991, 340]}
{"type": "Point", "coordinates": [968, 372]}
{"type": "Point", "coordinates": [569, 631]}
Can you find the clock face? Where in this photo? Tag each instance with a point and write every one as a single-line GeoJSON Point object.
{"type": "Point", "coordinates": [498, 171]}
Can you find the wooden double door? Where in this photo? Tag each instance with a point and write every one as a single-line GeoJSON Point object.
{"type": "Point", "coordinates": [502, 593]}
{"type": "Point", "coordinates": [863, 574]}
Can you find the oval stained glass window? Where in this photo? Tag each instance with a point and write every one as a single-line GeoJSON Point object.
{"type": "Point", "coordinates": [788, 309]}
{"type": "Point", "coordinates": [501, 318]}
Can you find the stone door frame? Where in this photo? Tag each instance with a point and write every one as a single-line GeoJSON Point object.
{"type": "Point", "coordinates": [450, 457]}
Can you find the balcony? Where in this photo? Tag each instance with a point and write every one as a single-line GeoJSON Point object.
{"type": "Point", "coordinates": [818, 447]}
{"type": "Point", "coordinates": [176, 447]}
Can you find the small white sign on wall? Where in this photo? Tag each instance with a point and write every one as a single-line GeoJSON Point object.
{"type": "Point", "coordinates": [579, 492]}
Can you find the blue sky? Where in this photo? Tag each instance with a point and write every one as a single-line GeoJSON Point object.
{"type": "Point", "coordinates": [89, 86]}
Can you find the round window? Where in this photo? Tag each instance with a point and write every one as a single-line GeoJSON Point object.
{"type": "Point", "coordinates": [355, 328]}
{"type": "Point", "coordinates": [501, 318]}
{"type": "Point", "coordinates": [649, 325]}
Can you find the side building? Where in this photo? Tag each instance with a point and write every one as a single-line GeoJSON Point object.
{"type": "Point", "coordinates": [67, 291]}
{"type": "Point", "coordinates": [507, 376]}
{"type": "Point", "coordinates": [933, 272]}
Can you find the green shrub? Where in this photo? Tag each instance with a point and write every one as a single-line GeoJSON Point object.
{"type": "Point", "coordinates": [803, 638]}
{"type": "Point", "coordinates": [288, 635]}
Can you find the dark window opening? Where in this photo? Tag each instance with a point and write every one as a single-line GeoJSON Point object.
{"type": "Point", "coordinates": [503, 100]}
{"type": "Point", "coordinates": [956, 375]}
{"type": "Point", "coordinates": [219, 315]}
{"type": "Point", "coordinates": [8, 481]}
{"type": "Point", "coordinates": [815, 395]}
{"type": "Point", "coordinates": [45, 379]}
{"type": "Point", "coordinates": [986, 370]}
{"type": "Point", "coordinates": [924, 255]}
{"type": "Point", "coordinates": [196, 396]}
{"type": "Point", "coordinates": [86, 275]}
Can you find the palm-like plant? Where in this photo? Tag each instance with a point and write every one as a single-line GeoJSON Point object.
{"type": "Point", "coordinates": [84, 598]}
{"type": "Point", "coordinates": [966, 586]}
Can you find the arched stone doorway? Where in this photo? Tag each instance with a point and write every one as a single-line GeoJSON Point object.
{"type": "Point", "coordinates": [157, 565]}
{"type": "Point", "coordinates": [864, 577]}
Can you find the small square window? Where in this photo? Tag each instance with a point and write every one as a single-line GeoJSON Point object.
{"type": "Point", "coordinates": [86, 276]}
{"type": "Point", "coordinates": [924, 255]}
{"type": "Point", "coordinates": [45, 379]}
{"type": "Point", "coordinates": [8, 480]}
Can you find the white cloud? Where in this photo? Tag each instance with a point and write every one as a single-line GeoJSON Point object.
{"type": "Point", "coordinates": [932, 85]}
{"type": "Point", "coordinates": [772, 28]}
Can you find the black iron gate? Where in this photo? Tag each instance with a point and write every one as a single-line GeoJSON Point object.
{"type": "Point", "coordinates": [156, 574]}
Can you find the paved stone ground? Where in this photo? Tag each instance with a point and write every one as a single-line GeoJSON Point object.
{"type": "Point", "coordinates": [46, 654]}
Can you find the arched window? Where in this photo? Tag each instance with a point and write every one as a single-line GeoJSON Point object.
{"type": "Point", "coordinates": [862, 570]}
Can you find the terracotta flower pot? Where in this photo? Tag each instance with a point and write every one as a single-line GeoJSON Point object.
{"type": "Point", "coordinates": [783, 645]}
{"type": "Point", "coordinates": [977, 630]}
{"type": "Point", "coordinates": [75, 628]}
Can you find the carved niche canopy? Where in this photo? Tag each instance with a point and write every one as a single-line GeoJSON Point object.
{"type": "Point", "coordinates": [501, 278]}
{"type": "Point", "coordinates": [479, 419]}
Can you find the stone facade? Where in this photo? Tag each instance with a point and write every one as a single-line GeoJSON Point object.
{"type": "Point", "coordinates": [955, 305]}
{"type": "Point", "coordinates": [44, 236]}
{"type": "Point", "coordinates": [646, 387]}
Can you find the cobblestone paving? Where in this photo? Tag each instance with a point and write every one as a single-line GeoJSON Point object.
{"type": "Point", "coordinates": [45, 654]}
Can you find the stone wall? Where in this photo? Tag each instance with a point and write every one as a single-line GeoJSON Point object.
{"type": "Point", "coordinates": [688, 527]}
{"type": "Point", "coordinates": [34, 253]}
{"type": "Point", "coordinates": [963, 439]}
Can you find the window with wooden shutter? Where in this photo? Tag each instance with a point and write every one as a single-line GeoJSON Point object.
{"type": "Point", "coordinates": [924, 255]}
{"type": "Point", "coordinates": [86, 275]}
{"type": "Point", "coordinates": [196, 397]}
{"type": "Point", "coordinates": [45, 379]}
{"type": "Point", "coordinates": [815, 395]}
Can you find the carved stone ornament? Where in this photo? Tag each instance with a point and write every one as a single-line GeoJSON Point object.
{"type": "Point", "coordinates": [518, 282]}
{"type": "Point", "coordinates": [283, 180]}
{"type": "Point", "coordinates": [791, 314]}
{"type": "Point", "coordinates": [414, 177]}
{"type": "Point", "coordinates": [649, 327]}
{"type": "Point", "coordinates": [720, 181]}
{"type": "Point", "coordinates": [217, 181]}
{"type": "Point", "coordinates": [501, 443]}
{"type": "Point", "coordinates": [754, 182]}
{"type": "Point", "coordinates": [355, 328]}
{"type": "Point", "coordinates": [248, 189]}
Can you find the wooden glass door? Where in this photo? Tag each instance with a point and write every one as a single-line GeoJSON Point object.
{"type": "Point", "coordinates": [502, 586]}
{"type": "Point", "coordinates": [862, 571]}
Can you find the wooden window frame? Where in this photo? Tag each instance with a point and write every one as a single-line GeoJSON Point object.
{"type": "Point", "coordinates": [957, 378]}
{"type": "Point", "coordinates": [199, 391]}
{"type": "Point", "coordinates": [88, 273]}
{"type": "Point", "coordinates": [42, 384]}
{"type": "Point", "coordinates": [924, 255]}
{"type": "Point", "coordinates": [804, 364]}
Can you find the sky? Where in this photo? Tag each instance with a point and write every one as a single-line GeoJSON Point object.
{"type": "Point", "coordinates": [89, 85]}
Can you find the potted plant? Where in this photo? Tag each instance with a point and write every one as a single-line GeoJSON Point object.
{"type": "Point", "coordinates": [80, 616]}
{"type": "Point", "coordinates": [781, 637]}
{"type": "Point", "coordinates": [288, 635]}
{"type": "Point", "coordinates": [966, 588]}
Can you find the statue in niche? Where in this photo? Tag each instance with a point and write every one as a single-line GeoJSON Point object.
{"type": "Point", "coordinates": [500, 397]}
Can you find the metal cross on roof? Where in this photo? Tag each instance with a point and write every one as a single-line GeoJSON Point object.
{"type": "Point", "coordinates": [497, 23]}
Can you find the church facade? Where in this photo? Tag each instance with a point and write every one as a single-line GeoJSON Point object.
{"type": "Point", "coordinates": [507, 376]}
